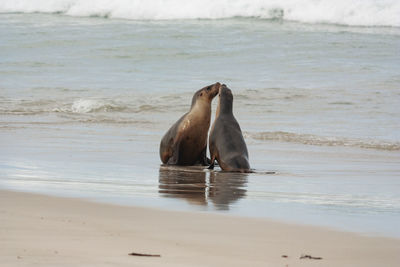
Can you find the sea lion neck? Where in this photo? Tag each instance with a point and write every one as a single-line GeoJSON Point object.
{"type": "Point", "coordinates": [225, 101]}
{"type": "Point", "coordinates": [225, 105]}
{"type": "Point", "coordinates": [201, 105]}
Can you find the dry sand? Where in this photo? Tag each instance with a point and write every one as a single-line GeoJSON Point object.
{"type": "Point", "coordinates": [39, 230]}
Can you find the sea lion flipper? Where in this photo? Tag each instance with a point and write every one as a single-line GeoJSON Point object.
{"type": "Point", "coordinates": [211, 167]}
{"type": "Point", "coordinates": [203, 157]}
{"type": "Point", "coordinates": [212, 161]}
{"type": "Point", "coordinates": [174, 159]}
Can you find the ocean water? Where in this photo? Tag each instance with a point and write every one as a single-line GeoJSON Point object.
{"type": "Point", "coordinates": [87, 91]}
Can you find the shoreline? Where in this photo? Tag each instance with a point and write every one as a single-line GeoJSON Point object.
{"type": "Point", "coordinates": [47, 231]}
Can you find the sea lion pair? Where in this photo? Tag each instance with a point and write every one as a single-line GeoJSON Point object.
{"type": "Point", "coordinates": [185, 143]}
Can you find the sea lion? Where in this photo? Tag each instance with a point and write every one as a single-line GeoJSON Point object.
{"type": "Point", "coordinates": [226, 141]}
{"type": "Point", "coordinates": [185, 143]}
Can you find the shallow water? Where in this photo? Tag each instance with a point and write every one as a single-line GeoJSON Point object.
{"type": "Point", "coordinates": [84, 103]}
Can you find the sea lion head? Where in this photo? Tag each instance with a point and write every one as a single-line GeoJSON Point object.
{"type": "Point", "coordinates": [225, 100]}
{"type": "Point", "coordinates": [225, 93]}
{"type": "Point", "coordinates": [206, 94]}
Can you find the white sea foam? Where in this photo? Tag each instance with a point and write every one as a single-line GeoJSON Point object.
{"type": "Point", "coordinates": [356, 12]}
{"type": "Point", "coordinates": [95, 105]}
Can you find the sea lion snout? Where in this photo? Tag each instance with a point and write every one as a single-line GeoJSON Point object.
{"type": "Point", "coordinates": [213, 90]}
{"type": "Point", "coordinates": [218, 84]}
{"type": "Point", "coordinates": [225, 91]}
{"type": "Point", "coordinates": [222, 87]}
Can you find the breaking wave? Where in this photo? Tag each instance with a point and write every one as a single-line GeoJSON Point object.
{"type": "Point", "coordinates": [356, 12]}
{"type": "Point", "coordinates": [92, 105]}
{"type": "Point", "coordinates": [310, 139]}
{"type": "Point", "coordinates": [78, 106]}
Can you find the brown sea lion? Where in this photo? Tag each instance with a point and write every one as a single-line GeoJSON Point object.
{"type": "Point", "coordinates": [226, 141]}
{"type": "Point", "coordinates": [185, 143]}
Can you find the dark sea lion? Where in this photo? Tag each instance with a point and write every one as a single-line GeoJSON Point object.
{"type": "Point", "coordinates": [185, 143]}
{"type": "Point", "coordinates": [226, 141]}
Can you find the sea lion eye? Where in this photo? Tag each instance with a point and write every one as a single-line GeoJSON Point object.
{"type": "Point", "coordinates": [209, 88]}
{"type": "Point", "coordinates": [201, 94]}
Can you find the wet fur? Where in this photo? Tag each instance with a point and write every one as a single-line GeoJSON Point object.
{"type": "Point", "coordinates": [185, 143]}
{"type": "Point", "coordinates": [226, 141]}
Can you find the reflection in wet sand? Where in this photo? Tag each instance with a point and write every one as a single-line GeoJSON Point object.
{"type": "Point", "coordinates": [226, 188]}
{"type": "Point", "coordinates": [180, 182]}
{"type": "Point", "coordinates": [202, 187]}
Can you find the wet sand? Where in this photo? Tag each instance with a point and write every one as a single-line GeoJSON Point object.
{"type": "Point", "coordinates": [49, 231]}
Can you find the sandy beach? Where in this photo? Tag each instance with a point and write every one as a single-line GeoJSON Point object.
{"type": "Point", "coordinates": [49, 231]}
